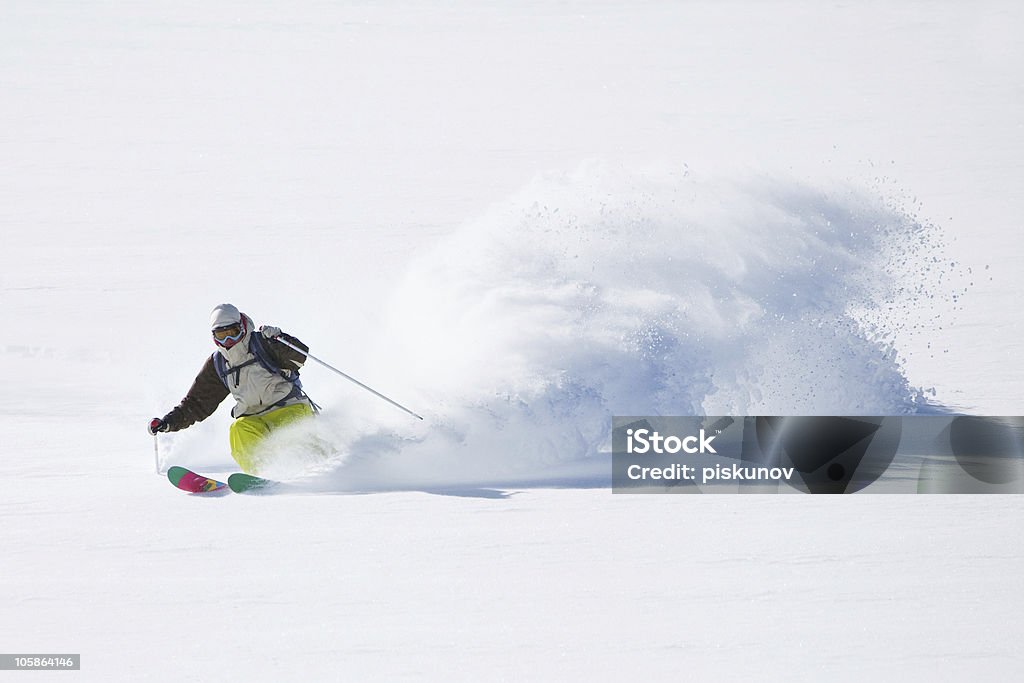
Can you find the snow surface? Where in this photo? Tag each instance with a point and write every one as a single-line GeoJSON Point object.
{"type": "Point", "coordinates": [518, 219]}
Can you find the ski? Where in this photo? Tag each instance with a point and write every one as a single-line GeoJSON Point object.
{"type": "Point", "coordinates": [187, 480]}
{"type": "Point", "coordinates": [247, 483]}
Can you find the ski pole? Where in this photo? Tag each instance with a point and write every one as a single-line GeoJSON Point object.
{"type": "Point", "coordinates": [156, 455]}
{"type": "Point", "coordinates": [307, 354]}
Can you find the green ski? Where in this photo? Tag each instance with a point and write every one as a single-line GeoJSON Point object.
{"type": "Point", "coordinates": [247, 483]}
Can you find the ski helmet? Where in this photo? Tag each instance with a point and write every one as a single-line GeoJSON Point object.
{"type": "Point", "coordinates": [227, 325]}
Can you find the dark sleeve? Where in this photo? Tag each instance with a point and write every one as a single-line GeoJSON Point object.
{"type": "Point", "coordinates": [206, 394]}
{"type": "Point", "coordinates": [287, 358]}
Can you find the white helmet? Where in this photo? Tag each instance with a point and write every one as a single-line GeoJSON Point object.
{"type": "Point", "coordinates": [227, 325]}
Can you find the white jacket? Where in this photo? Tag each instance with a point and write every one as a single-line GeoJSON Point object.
{"type": "Point", "coordinates": [254, 388]}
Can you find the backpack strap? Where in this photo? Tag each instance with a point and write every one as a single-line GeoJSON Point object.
{"type": "Point", "coordinates": [262, 356]}
{"type": "Point", "coordinates": [260, 352]}
{"type": "Point", "coordinates": [221, 366]}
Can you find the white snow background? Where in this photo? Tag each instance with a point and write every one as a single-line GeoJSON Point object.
{"type": "Point", "coordinates": [518, 219]}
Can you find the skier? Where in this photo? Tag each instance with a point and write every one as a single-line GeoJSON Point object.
{"type": "Point", "coordinates": [260, 372]}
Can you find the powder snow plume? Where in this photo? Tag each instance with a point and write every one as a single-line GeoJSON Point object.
{"type": "Point", "coordinates": [603, 292]}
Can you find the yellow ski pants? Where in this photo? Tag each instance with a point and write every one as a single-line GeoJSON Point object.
{"type": "Point", "coordinates": [248, 432]}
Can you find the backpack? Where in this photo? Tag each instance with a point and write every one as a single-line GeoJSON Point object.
{"type": "Point", "coordinates": [263, 357]}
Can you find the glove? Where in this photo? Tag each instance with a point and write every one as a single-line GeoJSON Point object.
{"type": "Point", "coordinates": [269, 331]}
{"type": "Point", "coordinates": [158, 425]}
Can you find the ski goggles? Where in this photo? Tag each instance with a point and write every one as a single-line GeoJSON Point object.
{"type": "Point", "coordinates": [228, 333]}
